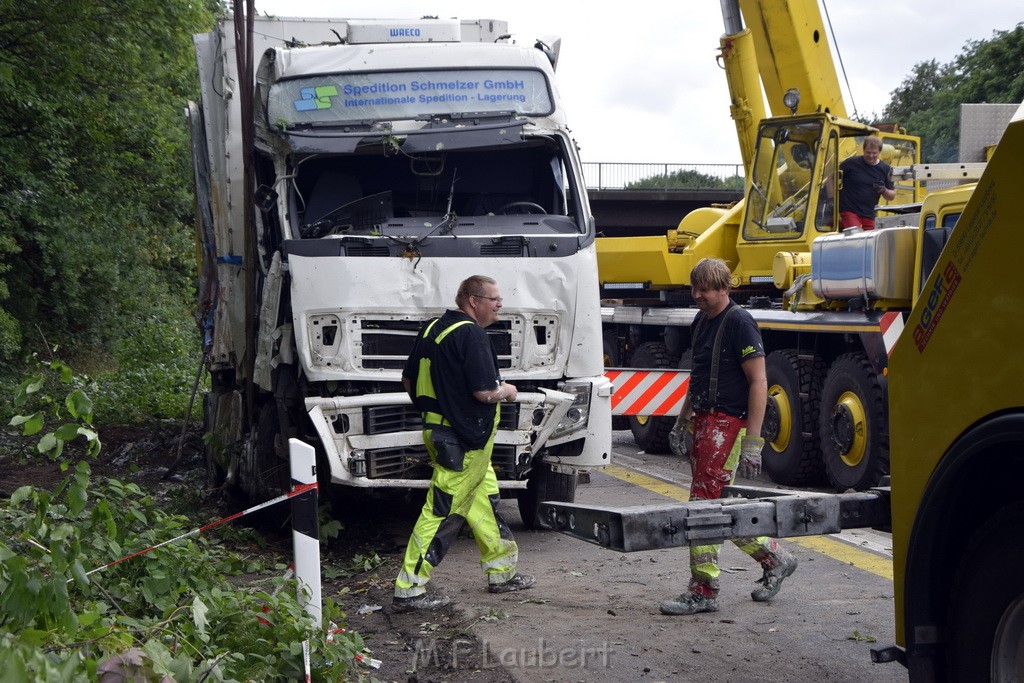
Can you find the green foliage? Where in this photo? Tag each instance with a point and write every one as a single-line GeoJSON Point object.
{"type": "Point", "coordinates": [95, 195]}
{"type": "Point", "coordinates": [155, 380]}
{"type": "Point", "coordinates": [328, 526]}
{"type": "Point", "coordinates": [36, 406]}
{"type": "Point", "coordinates": [927, 103]}
{"type": "Point", "coordinates": [155, 374]}
{"type": "Point", "coordinates": [687, 179]}
{"type": "Point", "coordinates": [169, 612]}
{"type": "Point", "coordinates": [99, 577]}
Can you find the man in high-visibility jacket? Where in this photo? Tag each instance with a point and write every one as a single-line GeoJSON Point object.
{"type": "Point", "coordinates": [452, 377]}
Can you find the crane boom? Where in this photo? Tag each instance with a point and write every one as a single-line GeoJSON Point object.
{"type": "Point", "coordinates": [793, 51]}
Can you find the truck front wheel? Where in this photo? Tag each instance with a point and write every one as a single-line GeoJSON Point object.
{"type": "Point", "coordinates": [987, 603]}
{"type": "Point", "coordinates": [544, 484]}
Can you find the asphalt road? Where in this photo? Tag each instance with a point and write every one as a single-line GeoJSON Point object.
{"type": "Point", "coordinates": [593, 615]}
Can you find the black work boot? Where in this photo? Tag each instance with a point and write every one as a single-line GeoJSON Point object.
{"type": "Point", "coordinates": [519, 582]}
{"type": "Point", "coordinates": [771, 582]}
{"type": "Point", "coordinates": [689, 603]}
{"type": "Point", "coordinates": [420, 602]}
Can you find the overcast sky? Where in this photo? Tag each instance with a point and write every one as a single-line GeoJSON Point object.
{"type": "Point", "coordinates": [641, 84]}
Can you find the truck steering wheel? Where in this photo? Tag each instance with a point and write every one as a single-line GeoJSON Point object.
{"type": "Point", "coordinates": [524, 208]}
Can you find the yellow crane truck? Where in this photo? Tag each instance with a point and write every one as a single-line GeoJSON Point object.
{"type": "Point", "coordinates": [956, 390]}
{"type": "Point", "coordinates": [954, 503]}
{"type": "Point", "coordinates": [829, 303]}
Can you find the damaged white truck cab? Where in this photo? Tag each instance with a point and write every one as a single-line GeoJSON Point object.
{"type": "Point", "coordinates": [391, 160]}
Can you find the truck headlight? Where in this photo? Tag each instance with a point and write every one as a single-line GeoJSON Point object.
{"type": "Point", "coordinates": [579, 412]}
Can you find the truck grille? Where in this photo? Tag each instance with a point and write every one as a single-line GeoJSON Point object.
{"type": "Point", "coordinates": [403, 418]}
{"type": "Point", "coordinates": [414, 463]}
{"type": "Point", "coordinates": [389, 419]}
{"type": "Point", "coordinates": [398, 463]}
{"type": "Point", "coordinates": [503, 458]}
{"type": "Point", "coordinates": [502, 249]}
{"type": "Point", "coordinates": [366, 251]}
{"type": "Point", "coordinates": [386, 344]}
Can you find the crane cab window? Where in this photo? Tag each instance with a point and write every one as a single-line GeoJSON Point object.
{"type": "Point", "coordinates": [783, 177]}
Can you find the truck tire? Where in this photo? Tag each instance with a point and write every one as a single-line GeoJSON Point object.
{"type": "Point", "coordinates": [986, 616]}
{"type": "Point", "coordinates": [854, 440]}
{"type": "Point", "coordinates": [649, 432]}
{"type": "Point", "coordinates": [790, 430]}
{"type": "Point", "coordinates": [612, 360]}
{"type": "Point", "coordinates": [216, 475]}
{"type": "Point", "coordinates": [264, 471]}
{"type": "Point", "coordinates": [544, 484]}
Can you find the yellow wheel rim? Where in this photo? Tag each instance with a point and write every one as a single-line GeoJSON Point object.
{"type": "Point", "coordinates": [642, 419]}
{"type": "Point", "coordinates": [782, 406]}
{"type": "Point", "coordinates": [849, 404]}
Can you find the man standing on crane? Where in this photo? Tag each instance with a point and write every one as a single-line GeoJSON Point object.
{"type": "Point", "coordinates": [725, 404]}
{"type": "Point", "coordinates": [865, 178]}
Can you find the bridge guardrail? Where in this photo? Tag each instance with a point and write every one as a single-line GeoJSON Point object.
{"type": "Point", "coordinates": [604, 175]}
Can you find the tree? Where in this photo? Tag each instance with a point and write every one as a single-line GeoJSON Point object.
{"type": "Point", "coordinates": [916, 92]}
{"type": "Point", "coordinates": [927, 103]}
{"type": "Point", "coordinates": [95, 197]}
{"type": "Point", "coordinates": [687, 179]}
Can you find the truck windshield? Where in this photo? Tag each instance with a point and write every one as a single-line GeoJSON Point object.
{"type": "Point", "coordinates": [517, 190]}
{"type": "Point", "coordinates": [777, 206]}
{"type": "Point", "coordinates": [338, 99]}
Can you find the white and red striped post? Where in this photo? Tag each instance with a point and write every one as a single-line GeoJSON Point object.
{"type": "Point", "coordinates": [305, 529]}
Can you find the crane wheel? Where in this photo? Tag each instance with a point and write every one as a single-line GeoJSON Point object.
{"type": "Point", "coordinates": [852, 425]}
{"type": "Point", "coordinates": [790, 428]}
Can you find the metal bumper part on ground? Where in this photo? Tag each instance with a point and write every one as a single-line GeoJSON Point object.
{"type": "Point", "coordinates": [748, 511]}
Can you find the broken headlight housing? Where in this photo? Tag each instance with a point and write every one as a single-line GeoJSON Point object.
{"type": "Point", "coordinates": [578, 414]}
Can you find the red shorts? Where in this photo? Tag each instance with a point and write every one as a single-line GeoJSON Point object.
{"type": "Point", "coordinates": [713, 437]}
{"type": "Point", "coordinates": [848, 219]}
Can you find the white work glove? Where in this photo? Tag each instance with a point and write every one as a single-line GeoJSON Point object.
{"type": "Point", "coordinates": [750, 456]}
{"type": "Point", "coordinates": [677, 438]}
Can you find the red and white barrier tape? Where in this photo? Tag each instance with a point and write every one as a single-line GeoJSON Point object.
{"type": "Point", "coordinates": [300, 489]}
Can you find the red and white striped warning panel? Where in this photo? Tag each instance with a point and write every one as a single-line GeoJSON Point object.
{"type": "Point", "coordinates": [892, 326]}
{"type": "Point", "coordinates": [647, 392]}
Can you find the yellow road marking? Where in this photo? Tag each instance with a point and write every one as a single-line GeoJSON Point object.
{"type": "Point", "coordinates": [847, 554]}
{"type": "Point", "coordinates": [826, 545]}
{"type": "Point", "coordinates": [650, 483]}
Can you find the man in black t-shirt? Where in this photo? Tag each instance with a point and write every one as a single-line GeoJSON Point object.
{"type": "Point", "coordinates": [725, 406]}
{"type": "Point", "coordinates": [452, 378]}
{"type": "Point", "coordinates": [866, 178]}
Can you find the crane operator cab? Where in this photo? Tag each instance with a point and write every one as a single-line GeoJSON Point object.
{"type": "Point", "coordinates": [791, 202]}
